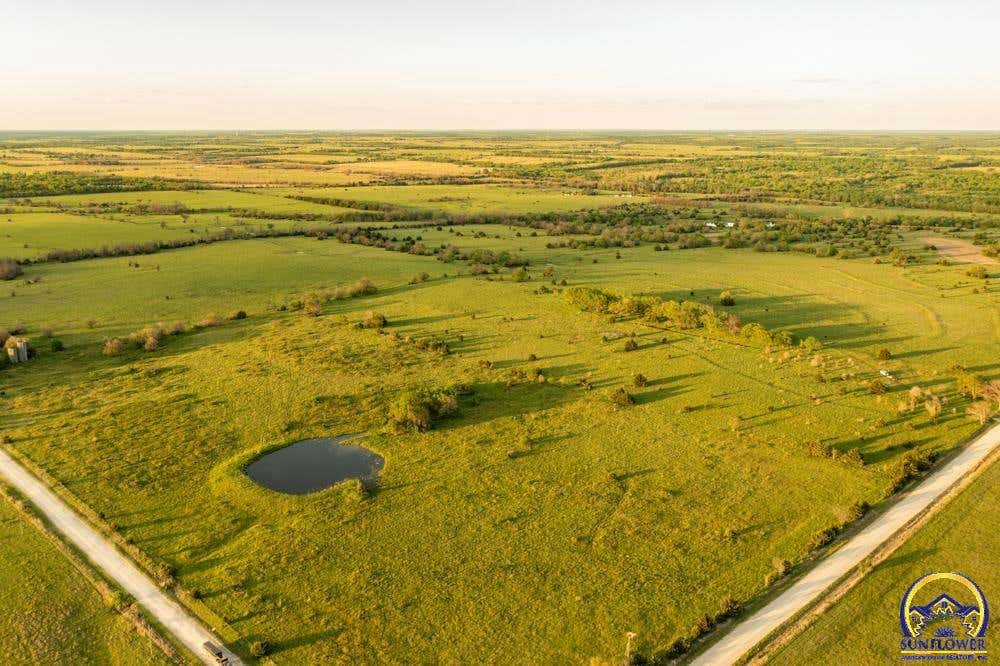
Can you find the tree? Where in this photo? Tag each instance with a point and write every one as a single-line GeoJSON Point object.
{"type": "Point", "coordinates": [933, 406]}
{"type": "Point", "coordinates": [980, 410]}
{"type": "Point", "coordinates": [810, 345]}
{"type": "Point", "coordinates": [915, 394]}
{"type": "Point", "coordinates": [969, 384]}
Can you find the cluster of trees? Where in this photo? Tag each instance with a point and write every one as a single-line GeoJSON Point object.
{"type": "Point", "coordinates": [687, 315]}
{"type": "Point", "coordinates": [875, 177]}
{"type": "Point", "coordinates": [22, 184]}
{"type": "Point", "coordinates": [418, 409]}
{"type": "Point", "coordinates": [150, 337]}
{"type": "Point", "coordinates": [312, 302]}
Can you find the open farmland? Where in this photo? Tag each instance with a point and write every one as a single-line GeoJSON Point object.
{"type": "Point", "coordinates": [619, 383]}
{"type": "Point", "coordinates": [67, 619]}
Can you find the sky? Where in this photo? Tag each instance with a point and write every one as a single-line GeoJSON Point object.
{"type": "Point", "coordinates": [389, 64]}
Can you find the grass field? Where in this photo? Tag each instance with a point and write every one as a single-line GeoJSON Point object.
{"type": "Point", "coordinates": [545, 497]}
{"type": "Point", "coordinates": [51, 613]}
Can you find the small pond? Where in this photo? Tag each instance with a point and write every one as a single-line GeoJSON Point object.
{"type": "Point", "coordinates": [314, 464]}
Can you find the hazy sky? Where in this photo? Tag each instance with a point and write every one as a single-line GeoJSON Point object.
{"type": "Point", "coordinates": [904, 64]}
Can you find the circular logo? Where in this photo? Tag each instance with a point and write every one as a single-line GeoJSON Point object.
{"type": "Point", "coordinates": [944, 614]}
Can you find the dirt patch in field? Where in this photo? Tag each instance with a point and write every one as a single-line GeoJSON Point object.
{"type": "Point", "coordinates": [960, 250]}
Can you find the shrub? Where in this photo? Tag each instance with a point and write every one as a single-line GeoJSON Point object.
{"type": "Point", "coordinates": [520, 274]}
{"type": "Point", "coordinates": [114, 346]}
{"type": "Point", "coordinates": [148, 338]}
{"type": "Point", "coordinates": [884, 354]}
{"type": "Point", "coordinates": [419, 277]}
{"type": "Point", "coordinates": [312, 305]}
{"type": "Point", "coordinates": [259, 649]}
{"type": "Point", "coordinates": [639, 380]}
{"type": "Point", "coordinates": [726, 298]}
{"type": "Point", "coordinates": [56, 345]}
{"type": "Point", "coordinates": [854, 457]}
{"type": "Point", "coordinates": [417, 410]}
{"type": "Point", "coordinates": [912, 466]}
{"type": "Point", "coordinates": [876, 387]}
{"type": "Point", "coordinates": [630, 345]}
{"type": "Point", "coordinates": [855, 512]}
{"type": "Point", "coordinates": [621, 398]}
{"type": "Point", "coordinates": [373, 320]}
{"type": "Point", "coordinates": [362, 287]}
{"type": "Point", "coordinates": [980, 410]}
{"type": "Point", "coordinates": [977, 271]}
{"type": "Point", "coordinates": [822, 538]}
{"type": "Point", "coordinates": [91, 323]}
{"type": "Point", "coordinates": [239, 314]}
{"type": "Point", "coordinates": [729, 608]}
{"type": "Point", "coordinates": [10, 269]}
{"type": "Point", "coordinates": [210, 321]}
{"type": "Point", "coordinates": [810, 345]}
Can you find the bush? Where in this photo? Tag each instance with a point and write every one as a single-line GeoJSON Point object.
{"type": "Point", "coordinates": [114, 346]}
{"type": "Point", "coordinates": [810, 345]}
{"type": "Point", "coordinates": [10, 269]}
{"type": "Point", "coordinates": [977, 272]}
{"type": "Point", "coordinates": [630, 345]}
{"type": "Point", "coordinates": [726, 298]}
{"type": "Point", "coordinates": [884, 354]}
{"type": "Point", "coordinates": [312, 305]}
{"type": "Point", "coordinates": [621, 398]}
{"type": "Point", "coordinates": [419, 277]}
{"type": "Point", "coordinates": [373, 320]}
{"type": "Point", "coordinates": [210, 321]}
{"type": "Point", "coordinates": [239, 314]}
{"type": "Point", "coordinates": [417, 410]}
{"type": "Point", "coordinates": [520, 274]}
{"type": "Point", "coordinates": [854, 457]}
{"type": "Point", "coordinates": [259, 649]}
{"type": "Point", "coordinates": [729, 608]}
{"type": "Point", "coordinates": [56, 345]}
{"type": "Point", "coordinates": [362, 287]}
{"type": "Point", "coordinates": [639, 380]}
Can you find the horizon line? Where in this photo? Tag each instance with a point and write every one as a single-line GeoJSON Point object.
{"type": "Point", "coordinates": [507, 130]}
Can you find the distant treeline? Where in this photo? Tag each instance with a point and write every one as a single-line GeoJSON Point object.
{"type": "Point", "coordinates": [152, 247]}
{"type": "Point", "coordinates": [21, 184]}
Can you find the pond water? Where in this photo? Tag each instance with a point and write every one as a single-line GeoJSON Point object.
{"type": "Point", "coordinates": [314, 464]}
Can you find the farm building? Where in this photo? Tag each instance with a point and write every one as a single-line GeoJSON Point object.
{"type": "Point", "coordinates": [17, 349]}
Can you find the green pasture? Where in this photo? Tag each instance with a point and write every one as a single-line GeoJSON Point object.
{"type": "Point", "coordinates": [536, 503]}
{"type": "Point", "coordinates": [51, 614]}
